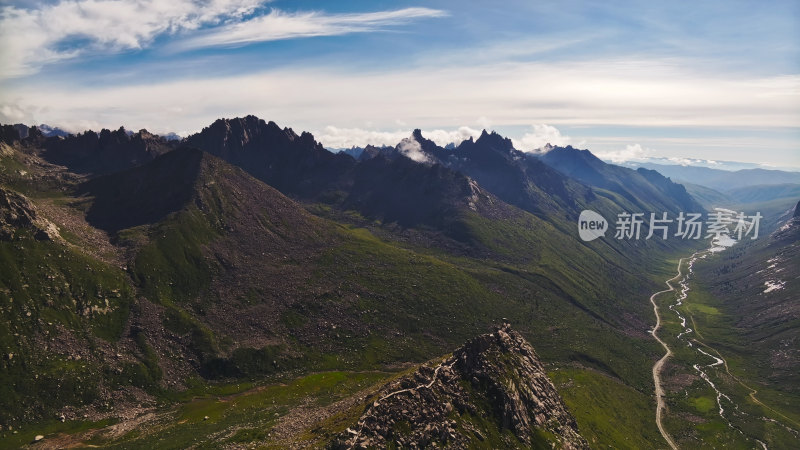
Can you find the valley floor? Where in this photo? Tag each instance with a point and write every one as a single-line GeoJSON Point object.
{"type": "Point", "coordinates": [713, 393]}
{"type": "Point", "coordinates": [308, 411]}
{"type": "Point", "coordinates": [714, 401]}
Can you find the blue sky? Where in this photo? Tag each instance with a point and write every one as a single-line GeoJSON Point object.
{"type": "Point", "coordinates": [628, 80]}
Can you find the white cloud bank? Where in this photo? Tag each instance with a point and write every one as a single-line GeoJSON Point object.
{"type": "Point", "coordinates": [336, 137]}
{"type": "Point", "coordinates": [631, 152]}
{"type": "Point", "coordinates": [446, 98]}
{"type": "Point", "coordinates": [510, 94]}
{"type": "Point", "coordinates": [444, 137]}
{"type": "Point", "coordinates": [34, 37]}
{"type": "Point", "coordinates": [541, 135]}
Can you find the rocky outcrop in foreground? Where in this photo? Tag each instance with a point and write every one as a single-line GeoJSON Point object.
{"type": "Point", "coordinates": [18, 213]}
{"type": "Point", "coordinates": [493, 391]}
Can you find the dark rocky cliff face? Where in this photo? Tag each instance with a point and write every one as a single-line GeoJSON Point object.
{"type": "Point", "coordinates": [493, 392]}
{"type": "Point", "coordinates": [293, 164]}
{"type": "Point", "coordinates": [100, 153]}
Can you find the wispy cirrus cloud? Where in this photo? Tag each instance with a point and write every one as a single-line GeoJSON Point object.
{"type": "Point", "coordinates": [35, 37]}
{"type": "Point", "coordinates": [279, 25]}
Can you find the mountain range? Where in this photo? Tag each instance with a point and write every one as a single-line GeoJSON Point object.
{"type": "Point", "coordinates": [724, 180]}
{"type": "Point", "coordinates": [139, 270]}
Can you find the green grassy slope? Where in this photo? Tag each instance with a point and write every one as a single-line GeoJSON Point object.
{"type": "Point", "coordinates": [55, 301]}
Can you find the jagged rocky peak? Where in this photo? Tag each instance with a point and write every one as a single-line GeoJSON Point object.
{"type": "Point", "coordinates": [307, 137]}
{"type": "Point", "coordinates": [493, 384]}
{"type": "Point", "coordinates": [100, 153]}
{"type": "Point", "coordinates": [119, 136]}
{"type": "Point", "coordinates": [10, 134]}
{"type": "Point", "coordinates": [416, 135]}
{"type": "Point", "coordinates": [34, 133]}
{"type": "Point", "coordinates": [419, 148]}
{"type": "Point", "coordinates": [569, 151]}
{"type": "Point", "coordinates": [547, 147]}
{"type": "Point", "coordinates": [494, 141]}
{"type": "Point", "coordinates": [242, 133]}
{"type": "Point", "coordinates": [278, 156]}
{"type": "Point", "coordinates": [371, 151]}
{"type": "Point", "coordinates": [797, 210]}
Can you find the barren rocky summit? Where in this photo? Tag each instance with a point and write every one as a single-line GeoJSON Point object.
{"type": "Point", "coordinates": [491, 392]}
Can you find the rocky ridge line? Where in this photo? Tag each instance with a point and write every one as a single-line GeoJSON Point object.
{"type": "Point", "coordinates": [495, 379]}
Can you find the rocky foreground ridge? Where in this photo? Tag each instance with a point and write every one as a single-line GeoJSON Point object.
{"type": "Point", "coordinates": [493, 392]}
{"type": "Point", "coordinates": [17, 213]}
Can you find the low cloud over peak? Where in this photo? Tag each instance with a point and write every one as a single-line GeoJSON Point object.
{"type": "Point", "coordinates": [412, 149]}
{"type": "Point", "coordinates": [631, 152]}
{"type": "Point", "coordinates": [541, 135]}
{"type": "Point", "coordinates": [337, 137]}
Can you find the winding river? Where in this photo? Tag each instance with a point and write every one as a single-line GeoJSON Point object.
{"type": "Point", "coordinates": [704, 360]}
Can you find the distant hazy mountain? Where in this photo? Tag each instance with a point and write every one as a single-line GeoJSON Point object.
{"type": "Point", "coordinates": [724, 180]}
{"type": "Point", "coordinates": [372, 151]}
{"type": "Point", "coordinates": [764, 193]}
{"type": "Point", "coordinates": [642, 186]}
{"type": "Point", "coordinates": [354, 151]}
{"type": "Point", "coordinates": [750, 194]}
{"type": "Point", "coordinates": [707, 197]}
{"type": "Point", "coordinates": [46, 130]}
{"type": "Point", "coordinates": [694, 162]}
